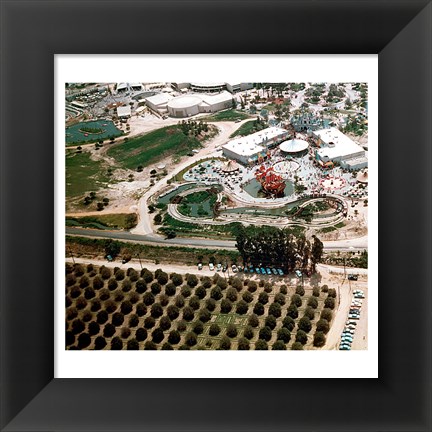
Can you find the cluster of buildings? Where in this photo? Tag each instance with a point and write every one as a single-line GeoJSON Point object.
{"type": "Point", "coordinates": [332, 146]}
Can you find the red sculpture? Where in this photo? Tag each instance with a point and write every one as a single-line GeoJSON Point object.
{"type": "Point", "coordinates": [271, 182]}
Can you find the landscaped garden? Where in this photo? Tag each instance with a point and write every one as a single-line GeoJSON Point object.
{"type": "Point", "coordinates": [91, 131]}
{"type": "Point", "coordinates": [113, 308]}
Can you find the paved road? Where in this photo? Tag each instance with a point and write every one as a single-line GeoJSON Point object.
{"type": "Point", "coordinates": [351, 245]}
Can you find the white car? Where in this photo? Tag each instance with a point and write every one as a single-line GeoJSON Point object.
{"type": "Point", "coordinates": [219, 267]}
{"type": "Point", "coordinates": [200, 266]}
{"type": "Point", "coordinates": [234, 268]}
{"type": "Point", "coordinates": [211, 266]}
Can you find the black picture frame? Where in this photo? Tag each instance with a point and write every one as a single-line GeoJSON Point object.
{"type": "Point", "coordinates": [32, 32]}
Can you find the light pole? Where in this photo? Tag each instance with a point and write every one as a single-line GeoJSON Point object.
{"type": "Point", "coordinates": [70, 251]}
{"type": "Point", "coordinates": [139, 259]}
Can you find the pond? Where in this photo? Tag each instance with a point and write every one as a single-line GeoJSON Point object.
{"type": "Point", "coordinates": [253, 188]}
{"type": "Point", "coordinates": [82, 132]}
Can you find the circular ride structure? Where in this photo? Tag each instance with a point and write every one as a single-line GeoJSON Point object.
{"type": "Point", "coordinates": [271, 182]}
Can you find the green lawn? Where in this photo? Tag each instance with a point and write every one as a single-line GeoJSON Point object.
{"type": "Point", "coordinates": [228, 115]}
{"type": "Point", "coordinates": [83, 174]}
{"type": "Point", "coordinates": [151, 147]}
{"type": "Point", "coordinates": [247, 129]}
{"type": "Point", "coordinates": [104, 221]}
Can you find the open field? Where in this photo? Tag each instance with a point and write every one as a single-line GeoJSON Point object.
{"type": "Point", "coordinates": [152, 147]}
{"type": "Point", "coordinates": [131, 309]}
{"type": "Point", "coordinates": [228, 115]}
{"type": "Point", "coordinates": [104, 221]}
{"type": "Point", "coordinates": [247, 129]}
{"type": "Point", "coordinates": [83, 174]}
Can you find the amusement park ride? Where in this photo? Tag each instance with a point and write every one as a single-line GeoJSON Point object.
{"type": "Point", "coordinates": [271, 182]}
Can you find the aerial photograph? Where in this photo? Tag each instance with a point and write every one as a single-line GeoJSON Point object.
{"type": "Point", "coordinates": [216, 216]}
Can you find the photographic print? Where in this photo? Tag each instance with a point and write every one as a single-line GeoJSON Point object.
{"type": "Point", "coordinates": [216, 215]}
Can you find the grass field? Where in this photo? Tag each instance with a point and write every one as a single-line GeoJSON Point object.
{"type": "Point", "coordinates": [228, 115]}
{"type": "Point", "coordinates": [83, 175]}
{"type": "Point", "coordinates": [246, 129]}
{"type": "Point", "coordinates": [152, 147]}
{"type": "Point", "coordinates": [105, 221]}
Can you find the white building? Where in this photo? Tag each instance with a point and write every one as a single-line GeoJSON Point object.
{"type": "Point", "coordinates": [294, 146]}
{"type": "Point", "coordinates": [248, 149]}
{"type": "Point", "coordinates": [159, 102]}
{"type": "Point", "coordinates": [216, 102]}
{"type": "Point", "coordinates": [128, 87]}
{"type": "Point", "coordinates": [236, 87]}
{"type": "Point", "coordinates": [337, 147]}
{"type": "Point", "coordinates": [124, 111]}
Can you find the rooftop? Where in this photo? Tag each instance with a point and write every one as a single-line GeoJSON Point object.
{"type": "Point", "coordinates": [341, 145]}
{"type": "Point", "coordinates": [159, 99]}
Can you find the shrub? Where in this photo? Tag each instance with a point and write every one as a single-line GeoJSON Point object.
{"type": "Point", "coordinates": [206, 282]}
{"type": "Point", "coordinates": [78, 270]}
{"type": "Point", "coordinates": [319, 339]}
{"type": "Point", "coordinates": [100, 343]}
{"type": "Point", "coordinates": [167, 346]}
{"type": "Point", "coordinates": [118, 296]}
{"type": "Point", "coordinates": [323, 326]}
{"type": "Point", "coordinates": [329, 303]}
{"type": "Point", "coordinates": [155, 288]}
{"type": "Point", "coordinates": [116, 343]}
{"type": "Point", "coordinates": [176, 279]}
{"type": "Point", "coordinates": [214, 329]}
{"type": "Point", "coordinates": [112, 284]}
{"type": "Point", "coordinates": [81, 303]}
{"type": "Point", "coordinates": [324, 288]}
{"type": "Point", "coordinates": [263, 298]}
{"type": "Point", "coordinates": [297, 346]}
{"type": "Point", "coordinates": [301, 337]}
{"type": "Point", "coordinates": [268, 287]}
{"type": "Point", "coordinates": [93, 328]}
{"type": "Point", "coordinates": [216, 293]}
{"type": "Point", "coordinates": [149, 322]}
{"type": "Point", "coordinates": [316, 292]}
{"type": "Point", "coordinates": [179, 301]}
{"type": "Point", "coordinates": [280, 298]}
{"type": "Point", "coordinates": [191, 339]}
{"type": "Point", "coordinates": [186, 291]}
{"type": "Point", "coordinates": [126, 307]}
{"type": "Point", "coordinates": [327, 314]}
{"type": "Point", "coordinates": [126, 285]}
{"type": "Point", "coordinates": [141, 309]}
{"type": "Point", "coordinates": [150, 345]}
{"type": "Point", "coordinates": [204, 315]}
{"type": "Point", "coordinates": [198, 327]}
{"type": "Point", "coordinates": [170, 289]}
{"type": "Point", "coordinates": [95, 305]}
{"type": "Point", "coordinates": [194, 302]}
{"type": "Point", "coordinates": [117, 319]}
{"type": "Point", "coordinates": [77, 326]}
{"type": "Point", "coordinates": [87, 316]}
{"type": "Point", "coordinates": [84, 340]}
{"type": "Point", "coordinates": [173, 312]}
{"type": "Point", "coordinates": [102, 317]}
{"type": "Point", "coordinates": [211, 304]}
{"type": "Point", "coordinates": [132, 345]}
{"type": "Point", "coordinates": [275, 310]}
{"type": "Point", "coordinates": [141, 334]}
{"type": "Point", "coordinates": [279, 345]}
{"type": "Point", "coordinates": [157, 335]}
{"type": "Point", "coordinates": [84, 282]}
{"type": "Point", "coordinates": [300, 290]}
{"type": "Point", "coordinates": [313, 302]}
{"type": "Point", "coordinates": [109, 330]}
{"type": "Point", "coordinates": [248, 332]}
{"type": "Point", "coordinates": [283, 289]}
{"type": "Point", "coordinates": [236, 283]}
{"type": "Point", "coordinates": [188, 313]}
{"type": "Point", "coordinates": [70, 279]}
{"type": "Point", "coordinates": [70, 338]}
{"type": "Point", "coordinates": [71, 313]}
{"type": "Point", "coordinates": [125, 332]}
{"type": "Point", "coordinates": [162, 278]}
{"type": "Point", "coordinates": [270, 322]}
{"type": "Point", "coordinates": [133, 320]}
{"type": "Point", "coordinates": [75, 291]}
{"type": "Point", "coordinates": [231, 294]}
{"type": "Point", "coordinates": [174, 337]}
{"type": "Point", "coordinates": [104, 294]}
{"type": "Point", "coordinates": [261, 345]}
{"type": "Point", "coordinates": [242, 307]}
{"type": "Point", "coordinates": [332, 293]}
{"type": "Point", "coordinates": [296, 299]}
{"type": "Point", "coordinates": [231, 331]}
{"type": "Point", "coordinates": [225, 343]}
{"type": "Point", "coordinates": [146, 275]}
{"type": "Point", "coordinates": [119, 274]}
{"type": "Point", "coordinates": [156, 310]}
{"type": "Point", "coordinates": [110, 306]}
{"type": "Point", "coordinates": [140, 286]}
{"type": "Point", "coordinates": [105, 272]}
{"type": "Point", "coordinates": [226, 306]}
{"type": "Point", "coordinates": [258, 309]}
{"type": "Point", "coordinates": [252, 286]}
{"type": "Point", "coordinates": [134, 297]}
{"type": "Point", "coordinates": [284, 334]}
{"type": "Point", "coordinates": [148, 298]}
{"type": "Point", "coordinates": [243, 344]}
{"type": "Point", "coordinates": [305, 324]}
{"type": "Point", "coordinates": [292, 311]}
{"type": "Point", "coordinates": [265, 333]}
{"type": "Point", "coordinates": [222, 283]}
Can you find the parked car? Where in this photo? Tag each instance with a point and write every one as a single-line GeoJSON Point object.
{"type": "Point", "coordinates": [269, 272]}
{"type": "Point", "coordinates": [211, 266]}
{"type": "Point", "coordinates": [274, 271]}
{"type": "Point", "coordinates": [281, 273]}
{"type": "Point", "coordinates": [257, 270]}
{"type": "Point", "coordinates": [219, 267]}
{"type": "Point", "coordinates": [200, 266]}
{"type": "Point", "coordinates": [234, 268]}
{"type": "Point", "coordinates": [224, 268]}
{"type": "Point", "coordinates": [298, 273]}
{"type": "Point", "coordinates": [263, 271]}
{"type": "Point", "coordinates": [353, 277]}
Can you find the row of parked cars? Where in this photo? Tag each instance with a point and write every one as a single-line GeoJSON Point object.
{"type": "Point", "coordinates": [246, 269]}
{"type": "Point", "coordinates": [347, 335]}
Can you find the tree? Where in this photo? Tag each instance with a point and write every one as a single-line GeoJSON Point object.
{"type": "Point", "coordinates": [70, 338]}
{"type": "Point", "coordinates": [258, 309]}
{"type": "Point", "coordinates": [112, 247]}
{"type": "Point", "coordinates": [148, 298]}
{"type": "Point", "coordinates": [280, 298]}
{"type": "Point", "coordinates": [179, 301]}
{"type": "Point", "coordinates": [237, 284]}
{"type": "Point", "coordinates": [211, 304]}
{"type": "Point", "coordinates": [155, 288]}
{"type": "Point", "coordinates": [125, 332]}
{"type": "Point", "coordinates": [150, 345]}
{"type": "Point", "coordinates": [162, 278]}
{"type": "Point", "coordinates": [265, 333]}
{"type": "Point", "coordinates": [188, 313]}
{"type": "Point", "coordinates": [95, 305]}
{"type": "Point", "coordinates": [133, 320]}
{"type": "Point", "coordinates": [191, 339]}
{"type": "Point", "coordinates": [305, 324]}
{"type": "Point", "coordinates": [192, 280]}
{"type": "Point", "coordinates": [170, 289]}
{"type": "Point", "coordinates": [116, 343]}
{"type": "Point", "coordinates": [109, 330]}
{"type": "Point", "coordinates": [226, 306]}
{"type": "Point", "coordinates": [243, 344]}
{"type": "Point", "coordinates": [93, 328]}
{"type": "Point", "coordinates": [231, 331]}
{"type": "Point", "coordinates": [297, 346]}
{"type": "Point", "coordinates": [149, 322]}
{"type": "Point", "coordinates": [329, 303]}
{"type": "Point", "coordinates": [126, 307]}
{"type": "Point", "coordinates": [146, 275]}
{"type": "Point", "coordinates": [141, 309]}
{"type": "Point", "coordinates": [156, 310]}
{"type": "Point", "coordinates": [324, 288]}
{"type": "Point", "coordinates": [100, 343]}
{"type": "Point", "coordinates": [174, 337]}
{"type": "Point", "coordinates": [247, 297]}
{"type": "Point", "coordinates": [77, 326]}
{"type": "Point", "coordinates": [141, 334]}
{"type": "Point", "coordinates": [117, 319]}
{"type": "Point", "coordinates": [225, 343]}
{"type": "Point", "coordinates": [331, 293]}
{"type": "Point", "coordinates": [300, 290]}
{"type": "Point", "coordinates": [242, 307]}
{"type": "Point", "coordinates": [252, 286]}
{"type": "Point", "coordinates": [279, 345]}
{"type": "Point", "coordinates": [275, 310]}
{"type": "Point", "coordinates": [323, 326]}
{"type": "Point", "coordinates": [157, 335]}
{"type": "Point", "coordinates": [176, 279]}
{"type": "Point", "coordinates": [194, 302]}
{"type": "Point", "coordinates": [173, 312]}
{"type": "Point", "coordinates": [102, 317]}
{"type": "Point", "coordinates": [214, 329]}
{"type": "Point", "coordinates": [263, 298]}
{"type": "Point", "coordinates": [284, 334]}
{"type": "Point", "coordinates": [270, 322]}
{"type": "Point", "coordinates": [216, 293]}
{"type": "Point", "coordinates": [316, 252]}
{"type": "Point", "coordinates": [231, 294]}
{"type": "Point", "coordinates": [316, 292]}
{"type": "Point", "coordinates": [319, 339]}
{"type": "Point", "coordinates": [313, 302]}
{"type": "Point", "coordinates": [133, 344]}
{"type": "Point", "coordinates": [261, 345]}
{"type": "Point", "coordinates": [200, 292]}
{"type": "Point", "coordinates": [198, 327]}
{"type": "Point", "coordinates": [186, 291]}
{"type": "Point", "coordinates": [327, 314]}
{"type": "Point", "coordinates": [309, 313]}
{"type": "Point", "coordinates": [204, 315]}
{"type": "Point", "coordinates": [296, 300]}
{"type": "Point", "coordinates": [301, 337]}
{"type": "Point", "coordinates": [157, 219]}
{"type": "Point", "coordinates": [119, 275]}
